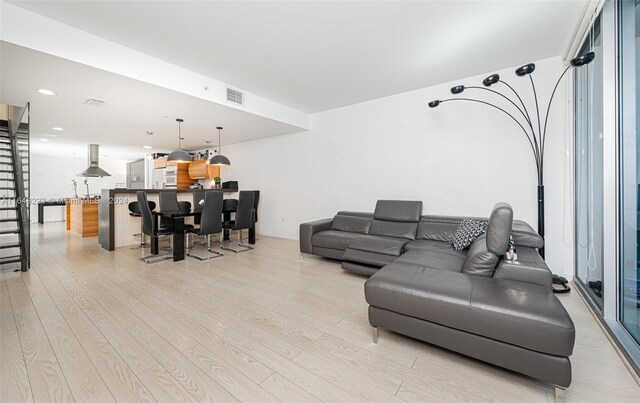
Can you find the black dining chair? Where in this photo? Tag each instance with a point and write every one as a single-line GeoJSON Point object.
{"type": "Point", "coordinates": [134, 211]}
{"type": "Point", "coordinates": [168, 202]}
{"type": "Point", "coordinates": [244, 219]}
{"type": "Point", "coordinates": [198, 200]}
{"type": "Point", "coordinates": [230, 205]}
{"type": "Point", "coordinates": [210, 223]}
{"type": "Point", "coordinates": [149, 228]}
{"type": "Point", "coordinates": [256, 201]}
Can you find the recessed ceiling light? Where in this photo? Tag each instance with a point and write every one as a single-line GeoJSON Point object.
{"type": "Point", "coordinates": [147, 147]}
{"type": "Point", "coordinates": [44, 139]}
{"type": "Point", "coordinates": [57, 129]}
{"type": "Point", "coordinates": [44, 91]}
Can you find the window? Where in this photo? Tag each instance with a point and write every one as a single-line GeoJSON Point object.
{"type": "Point", "coordinates": [629, 73]}
{"type": "Point", "coordinates": [589, 169]}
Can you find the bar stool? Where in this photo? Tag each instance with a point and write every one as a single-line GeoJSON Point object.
{"type": "Point", "coordinates": [134, 211]}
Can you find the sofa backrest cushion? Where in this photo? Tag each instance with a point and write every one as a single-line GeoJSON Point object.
{"type": "Point", "coordinates": [480, 260]}
{"type": "Point", "coordinates": [398, 210]}
{"type": "Point", "coordinates": [356, 214]}
{"type": "Point", "coordinates": [437, 228]}
{"type": "Point", "coordinates": [499, 228]}
{"type": "Point", "coordinates": [396, 218]}
{"type": "Point", "coordinates": [394, 229]}
{"type": "Point", "coordinates": [351, 224]}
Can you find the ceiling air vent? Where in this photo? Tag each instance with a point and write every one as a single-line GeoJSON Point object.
{"type": "Point", "coordinates": [234, 96]}
{"type": "Point", "coordinates": [93, 102]}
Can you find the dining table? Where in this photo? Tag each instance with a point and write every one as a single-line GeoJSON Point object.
{"type": "Point", "coordinates": [177, 217]}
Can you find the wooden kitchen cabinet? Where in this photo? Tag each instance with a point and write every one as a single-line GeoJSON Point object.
{"type": "Point", "coordinates": [202, 170]}
{"type": "Point", "coordinates": [184, 181]}
{"type": "Point", "coordinates": [213, 170]}
{"type": "Point", "coordinates": [160, 162]}
{"type": "Point", "coordinates": [82, 216]}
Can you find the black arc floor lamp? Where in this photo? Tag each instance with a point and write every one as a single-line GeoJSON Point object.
{"type": "Point", "coordinates": [534, 130]}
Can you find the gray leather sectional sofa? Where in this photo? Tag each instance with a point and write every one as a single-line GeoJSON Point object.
{"type": "Point", "coordinates": [474, 302]}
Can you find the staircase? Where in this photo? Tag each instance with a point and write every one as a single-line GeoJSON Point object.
{"type": "Point", "coordinates": [14, 188]}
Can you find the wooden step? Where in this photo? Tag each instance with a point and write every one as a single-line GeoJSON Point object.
{"type": "Point", "coordinates": [10, 245]}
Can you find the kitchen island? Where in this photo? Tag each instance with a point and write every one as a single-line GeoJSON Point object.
{"type": "Point", "coordinates": [117, 227]}
{"type": "Point", "coordinates": [82, 216]}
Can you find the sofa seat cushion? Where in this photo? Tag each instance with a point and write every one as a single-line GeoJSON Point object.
{"type": "Point", "coordinates": [525, 315]}
{"type": "Point", "coordinates": [333, 239]}
{"type": "Point", "coordinates": [436, 258]}
{"type": "Point", "coordinates": [379, 244]}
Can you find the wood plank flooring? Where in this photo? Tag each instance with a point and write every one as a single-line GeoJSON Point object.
{"type": "Point", "coordinates": [88, 325]}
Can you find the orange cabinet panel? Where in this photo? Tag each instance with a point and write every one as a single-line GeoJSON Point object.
{"type": "Point", "coordinates": [198, 170]}
{"type": "Point", "coordinates": [213, 171]}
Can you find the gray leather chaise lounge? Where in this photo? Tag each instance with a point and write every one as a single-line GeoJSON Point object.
{"type": "Point", "coordinates": [474, 302]}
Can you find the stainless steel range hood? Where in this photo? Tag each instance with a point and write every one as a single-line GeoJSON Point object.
{"type": "Point", "coordinates": [94, 170]}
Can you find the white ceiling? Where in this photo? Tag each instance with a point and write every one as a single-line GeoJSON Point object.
{"type": "Point", "coordinates": [315, 56]}
{"type": "Point", "coordinates": [131, 108]}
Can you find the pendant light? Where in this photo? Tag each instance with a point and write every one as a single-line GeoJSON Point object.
{"type": "Point", "coordinates": [179, 155]}
{"type": "Point", "coordinates": [220, 159]}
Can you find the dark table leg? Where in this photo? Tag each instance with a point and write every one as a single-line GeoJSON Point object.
{"type": "Point", "coordinates": [154, 239]}
{"type": "Point", "coordinates": [252, 235]}
{"type": "Point", "coordinates": [178, 239]}
{"type": "Point", "coordinates": [40, 214]}
{"type": "Point", "coordinates": [227, 217]}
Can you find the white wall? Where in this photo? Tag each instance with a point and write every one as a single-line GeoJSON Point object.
{"type": "Point", "coordinates": [51, 178]}
{"type": "Point", "coordinates": [460, 159]}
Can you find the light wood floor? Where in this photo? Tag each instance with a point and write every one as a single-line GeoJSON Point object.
{"type": "Point", "coordinates": [90, 325]}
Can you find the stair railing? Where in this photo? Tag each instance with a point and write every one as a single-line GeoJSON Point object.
{"type": "Point", "coordinates": [17, 131]}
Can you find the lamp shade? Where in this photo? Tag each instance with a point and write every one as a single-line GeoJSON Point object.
{"type": "Point", "coordinates": [179, 156]}
{"type": "Point", "coordinates": [457, 89]}
{"type": "Point", "coordinates": [492, 79]}
{"type": "Point", "coordinates": [220, 160]}
{"type": "Point", "coordinates": [526, 69]}
{"type": "Point", "coordinates": [433, 104]}
{"type": "Point", "coordinates": [584, 59]}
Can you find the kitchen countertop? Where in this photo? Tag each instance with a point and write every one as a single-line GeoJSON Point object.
{"type": "Point", "coordinates": [123, 190]}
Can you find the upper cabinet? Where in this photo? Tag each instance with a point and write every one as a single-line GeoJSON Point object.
{"type": "Point", "coordinates": [202, 170]}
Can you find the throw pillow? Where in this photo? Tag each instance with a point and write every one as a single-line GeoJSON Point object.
{"type": "Point", "coordinates": [467, 232]}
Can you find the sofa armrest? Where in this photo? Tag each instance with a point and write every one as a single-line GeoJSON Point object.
{"type": "Point", "coordinates": [525, 236]}
{"type": "Point", "coordinates": [529, 268]}
{"type": "Point", "coordinates": [308, 229]}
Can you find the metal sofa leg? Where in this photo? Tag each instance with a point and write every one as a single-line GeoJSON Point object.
{"type": "Point", "coordinates": [559, 394]}
{"type": "Point", "coordinates": [301, 256]}
{"type": "Point", "coordinates": [375, 335]}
